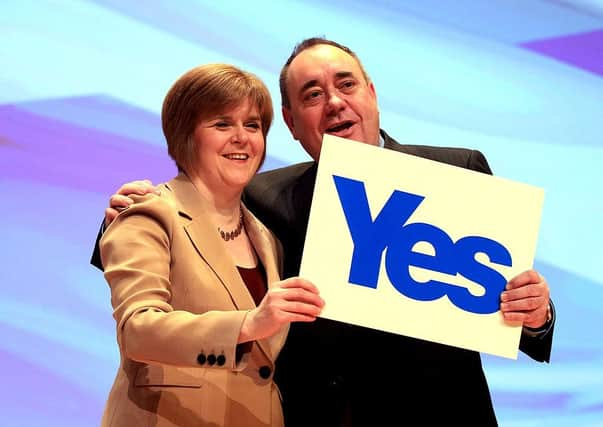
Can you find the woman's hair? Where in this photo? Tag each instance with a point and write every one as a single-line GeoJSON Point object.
{"type": "Point", "coordinates": [206, 91]}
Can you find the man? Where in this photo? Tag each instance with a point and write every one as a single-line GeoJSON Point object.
{"type": "Point", "coordinates": [335, 374]}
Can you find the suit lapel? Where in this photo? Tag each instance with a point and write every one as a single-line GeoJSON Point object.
{"type": "Point", "coordinates": [260, 239]}
{"type": "Point", "coordinates": [267, 252]}
{"type": "Point", "coordinates": [301, 199]}
{"type": "Point", "coordinates": [391, 144]}
{"type": "Point", "coordinates": [303, 194]}
{"type": "Point", "coordinates": [207, 242]}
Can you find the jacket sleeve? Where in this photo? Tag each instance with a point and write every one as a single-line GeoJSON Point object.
{"type": "Point", "coordinates": [538, 347]}
{"type": "Point", "coordinates": [95, 259]}
{"type": "Point", "coordinates": [477, 162]}
{"type": "Point", "coordinates": [135, 250]}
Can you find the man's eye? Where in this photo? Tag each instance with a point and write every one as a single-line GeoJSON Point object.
{"type": "Point", "coordinates": [348, 84]}
{"type": "Point", "coordinates": [312, 95]}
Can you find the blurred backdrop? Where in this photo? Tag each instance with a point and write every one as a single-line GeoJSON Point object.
{"type": "Point", "coordinates": [81, 87]}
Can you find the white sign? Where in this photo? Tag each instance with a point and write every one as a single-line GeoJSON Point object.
{"type": "Point", "coordinates": [416, 247]}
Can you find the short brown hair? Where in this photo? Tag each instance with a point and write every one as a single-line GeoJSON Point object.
{"type": "Point", "coordinates": [304, 45]}
{"type": "Point", "coordinates": [204, 91]}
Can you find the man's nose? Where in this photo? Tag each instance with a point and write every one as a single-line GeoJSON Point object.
{"type": "Point", "coordinates": [335, 103]}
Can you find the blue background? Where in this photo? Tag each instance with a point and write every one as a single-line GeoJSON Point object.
{"type": "Point", "coordinates": [81, 87]}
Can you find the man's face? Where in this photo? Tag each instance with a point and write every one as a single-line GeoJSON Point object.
{"type": "Point", "coordinates": [329, 94]}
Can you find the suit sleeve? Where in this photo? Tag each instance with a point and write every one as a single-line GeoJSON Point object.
{"type": "Point", "coordinates": [135, 250]}
{"type": "Point", "coordinates": [95, 260]}
{"type": "Point", "coordinates": [537, 347]}
{"type": "Point", "coordinates": [477, 162]}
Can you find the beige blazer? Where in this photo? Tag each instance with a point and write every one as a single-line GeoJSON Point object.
{"type": "Point", "coordinates": [179, 303]}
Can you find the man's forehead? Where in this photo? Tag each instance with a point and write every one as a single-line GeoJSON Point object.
{"type": "Point", "coordinates": [313, 62]}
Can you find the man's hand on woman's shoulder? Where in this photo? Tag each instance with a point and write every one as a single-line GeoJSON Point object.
{"type": "Point", "coordinates": [121, 200]}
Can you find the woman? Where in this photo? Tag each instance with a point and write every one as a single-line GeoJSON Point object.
{"type": "Point", "coordinates": [194, 276]}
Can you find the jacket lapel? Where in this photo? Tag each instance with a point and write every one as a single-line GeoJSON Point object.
{"type": "Point", "coordinates": [206, 241]}
{"type": "Point", "coordinates": [270, 254]}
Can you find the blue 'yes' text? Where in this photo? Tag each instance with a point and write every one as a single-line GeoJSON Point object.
{"type": "Point", "coordinates": [390, 230]}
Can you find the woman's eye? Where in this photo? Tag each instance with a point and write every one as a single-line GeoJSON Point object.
{"type": "Point", "coordinates": [221, 125]}
{"type": "Point", "coordinates": [254, 125]}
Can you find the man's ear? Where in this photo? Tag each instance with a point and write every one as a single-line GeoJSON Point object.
{"type": "Point", "coordinates": [371, 87]}
{"type": "Point", "coordinates": [288, 118]}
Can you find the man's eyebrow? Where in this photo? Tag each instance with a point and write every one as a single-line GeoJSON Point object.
{"type": "Point", "coordinates": [308, 84]}
{"type": "Point", "coordinates": [314, 82]}
{"type": "Point", "coordinates": [344, 74]}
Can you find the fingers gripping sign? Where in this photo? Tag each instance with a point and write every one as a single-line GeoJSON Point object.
{"type": "Point", "coordinates": [291, 300]}
{"type": "Point", "coordinates": [527, 300]}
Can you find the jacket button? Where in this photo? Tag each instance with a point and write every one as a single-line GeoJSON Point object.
{"type": "Point", "coordinates": [221, 360]}
{"type": "Point", "coordinates": [201, 359]}
{"type": "Point", "coordinates": [335, 383]}
{"type": "Point", "coordinates": [211, 359]}
{"type": "Point", "coordinates": [265, 372]}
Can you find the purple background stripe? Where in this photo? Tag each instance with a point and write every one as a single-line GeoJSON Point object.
{"type": "Point", "coordinates": [583, 50]}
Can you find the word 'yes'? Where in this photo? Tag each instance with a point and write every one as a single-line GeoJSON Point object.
{"type": "Point", "coordinates": [390, 230]}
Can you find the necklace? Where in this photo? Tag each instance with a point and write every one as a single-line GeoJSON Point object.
{"type": "Point", "coordinates": [231, 235]}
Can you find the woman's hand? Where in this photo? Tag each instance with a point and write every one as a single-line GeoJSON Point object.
{"type": "Point", "coordinates": [291, 300]}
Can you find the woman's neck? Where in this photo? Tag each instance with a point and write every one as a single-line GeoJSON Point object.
{"type": "Point", "coordinates": [224, 205]}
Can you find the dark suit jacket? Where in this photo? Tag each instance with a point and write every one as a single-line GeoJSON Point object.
{"type": "Point", "coordinates": [330, 371]}
{"type": "Point", "coordinates": [333, 374]}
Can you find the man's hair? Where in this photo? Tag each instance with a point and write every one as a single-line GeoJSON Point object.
{"type": "Point", "coordinates": [206, 91]}
{"type": "Point", "coordinates": [299, 48]}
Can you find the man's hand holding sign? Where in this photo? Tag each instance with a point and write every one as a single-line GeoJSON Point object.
{"type": "Point", "coordinates": [424, 249]}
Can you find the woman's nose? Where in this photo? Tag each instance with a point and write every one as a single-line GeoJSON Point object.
{"type": "Point", "coordinates": [240, 135]}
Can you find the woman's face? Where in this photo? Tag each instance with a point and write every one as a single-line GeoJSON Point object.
{"type": "Point", "coordinates": [230, 147]}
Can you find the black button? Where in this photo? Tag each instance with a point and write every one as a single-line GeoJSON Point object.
{"type": "Point", "coordinates": [335, 383]}
{"type": "Point", "coordinates": [211, 359]}
{"type": "Point", "coordinates": [221, 360]}
{"type": "Point", "coordinates": [201, 359]}
{"type": "Point", "coordinates": [265, 372]}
